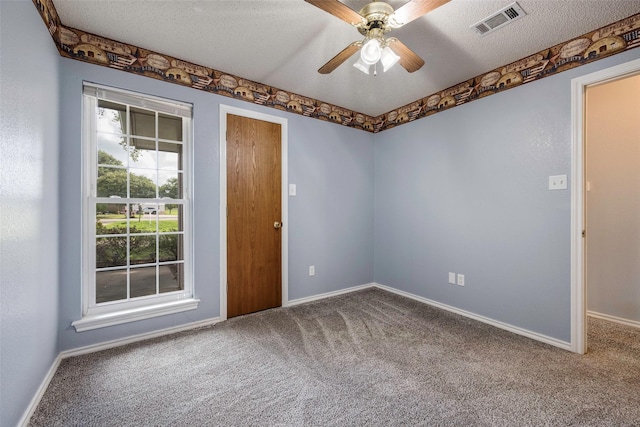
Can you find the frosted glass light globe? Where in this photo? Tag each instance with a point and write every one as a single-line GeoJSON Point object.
{"type": "Point", "coordinates": [371, 52]}
{"type": "Point", "coordinates": [389, 58]}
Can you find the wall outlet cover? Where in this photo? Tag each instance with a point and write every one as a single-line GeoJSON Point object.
{"type": "Point", "coordinates": [558, 182]}
{"type": "Point", "coordinates": [452, 278]}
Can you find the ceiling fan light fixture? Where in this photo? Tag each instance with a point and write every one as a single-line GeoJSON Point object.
{"type": "Point", "coordinates": [362, 66]}
{"type": "Point", "coordinates": [371, 52]}
{"type": "Point", "coordinates": [374, 21]}
{"type": "Point", "coordinates": [388, 58]}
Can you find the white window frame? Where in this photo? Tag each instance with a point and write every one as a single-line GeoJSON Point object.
{"type": "Point", "coordinates": [99, 315]}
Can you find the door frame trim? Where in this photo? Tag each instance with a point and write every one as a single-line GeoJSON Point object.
{"type": "Point", "coordinates": [578, 275]}
{"type": "Point", "coordinates": [224, 111]}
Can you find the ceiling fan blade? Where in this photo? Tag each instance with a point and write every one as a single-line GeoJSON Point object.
{"type": "Point", "coordinates": [408, 58]}
{"type": "Point", "coordinates": [337, 60]}
{"type": "Point", "coordinates": [339, 10]}
{"type": "Point", "coordinates": [414, 9]}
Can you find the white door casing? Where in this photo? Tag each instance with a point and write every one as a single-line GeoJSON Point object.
{"type": "Point", "coordinates": [578, 289]}
{"type": "Point", "coordinates": [224, 110]}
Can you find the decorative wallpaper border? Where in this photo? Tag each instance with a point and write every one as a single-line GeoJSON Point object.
{"type": "Point", "coordinates": [604, 42]}
{"type": "Point", "coordinates": [76, 44]}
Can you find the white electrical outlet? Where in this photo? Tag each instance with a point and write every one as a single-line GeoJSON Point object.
{"type": "Point", "coordinates": [292, 189]}
{"type": "Point", "coordinates": [461, 279]}
{"type": "Point", "coordinates": [452, 278]}
{"type": "Point", "coordinates": [558, 182]}
{"type": "Point", "coordinates": [312, 270]}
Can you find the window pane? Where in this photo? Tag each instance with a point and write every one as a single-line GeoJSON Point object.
{"type": "Point", "coordinates": [143, 122]}
{"type": "Point", "coordinates": [143, 153]}
{"type": "Point", "coordinates": [170, 185]}
{"type": "Point", "coordinates": [140, 157]}
{"type": "Point", "coordinates": [111, 251]}
{"type": "Point", "coordinates": [112, 150]}
{"type": "Point", "coordinates": [169, 156]}
{"type": "Point", "coordinates": [111, 285]}
{"type": "Point", "coordinates": [169, 127]}
{"type": "Point", "coordinates": [135, 210]}
{"type": "Point", "coordinates": [169, 212]}
{"type": "Point", "coordinates": [171, 277]}
{"type": "Point", "coordinates": [169, 220]}
{"type": "Point", "coordinates": [111, 182]}
{"type": "Point", "coordinates": [143, 281]}
{"type": "Point", "coordinates": [112, 118]}
{"type": "Point", "coordinates": [142, 183]}
{"type": "Point", "coordinates": [144, 220]}
{"type": "Point", "coordinates": [143, 249]}
{"type": "Point", "coordinates": [171, 247]}
{"type": "Point", "coordinates": [110, 217]}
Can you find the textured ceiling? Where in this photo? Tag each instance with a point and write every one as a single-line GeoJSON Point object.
{"type": "Point", "coordinates": [282, 43]}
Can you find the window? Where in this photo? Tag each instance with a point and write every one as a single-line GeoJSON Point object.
{"type": "Point", "coordinates": [137, 204]}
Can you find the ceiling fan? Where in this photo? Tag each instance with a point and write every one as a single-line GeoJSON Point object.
{"type": "Point", "coordinates": [373, 21]}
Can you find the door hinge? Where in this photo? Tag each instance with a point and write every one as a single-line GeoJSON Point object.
{"type": "Point", "coordinates": [584, 233]}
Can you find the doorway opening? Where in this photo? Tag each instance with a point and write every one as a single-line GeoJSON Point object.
{"type": "Point", "coordinates": [578, 200]}
{"type": "Point", "coordinates": [280, 230]}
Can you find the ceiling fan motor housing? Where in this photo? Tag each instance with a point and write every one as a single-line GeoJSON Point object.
{"type": "Point", "coordinates": [377, 16]}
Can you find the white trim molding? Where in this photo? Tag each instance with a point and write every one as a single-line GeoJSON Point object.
{"type": "Point", "coordinates": [35, 401]}
{"type": "Point", "coordinates": [137, 338]}
{"type": "Point", "coordinates": [103, 320]}
{"type": "Point", "coordinates": [317, 297]}
{"type": "Point", "coordinates": [507, 327]}
{"type": "Point", "coordinates": [614, 319]}
{"type": "Point", "coordinates": [209, 322]}
{"type": "Point", "coordinates": [31, 409]}
{"type": "Point", "coordinates": [284, 149]}
{"type": "Point", "coordinates": [578, 280]}
{"type": "Point", "coordinates": [128, 308]}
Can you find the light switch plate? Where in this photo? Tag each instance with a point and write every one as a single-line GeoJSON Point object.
{"type": "Point", "coordinates": [461, 279]}
{"type": "Point", "coordinates": [452, 278]}
{"type": "Point", "coordinates": [292, 189]}
{"type": "Point", "coordinates": [558, 182]}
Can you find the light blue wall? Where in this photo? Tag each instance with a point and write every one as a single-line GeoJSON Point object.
{"type": "Point", "coordinates": [331, 217]}
{"type": "Point", "coordinates": [463, 191]}
{"type": "Point", "coordinates": [466, 191]}
{"type": "Point", "coordinates": [330, 220]}
{"type": "Point", "coordinates": [29, 206]}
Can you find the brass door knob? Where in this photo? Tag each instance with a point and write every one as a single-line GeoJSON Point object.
{"type": "Point", "coordinates": [277, 225]}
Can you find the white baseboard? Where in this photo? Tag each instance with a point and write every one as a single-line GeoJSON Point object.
{"type": "Point", "coordinates": [24, 421]}
{"type": "Point", "coordinates": [31, 409]}
{"type": "Point", "coordinates": [136, 338]}
{"type": "Point", "coordinates": [328, 294]}
{"type": "Point", "coordinates": [203, 323]}
{"type": "Point", "coordinates": [620, 320]}
{"type": "Point", "coordinates": [194, 325]}
{"type": "Point", "coordinates": [507, 327]}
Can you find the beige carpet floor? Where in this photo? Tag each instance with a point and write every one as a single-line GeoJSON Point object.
{"type": "Point", "coordinates": [365, 358]}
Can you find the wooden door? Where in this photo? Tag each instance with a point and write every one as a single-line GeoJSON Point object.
{"type": "Point", "coordinates": [254, 256]}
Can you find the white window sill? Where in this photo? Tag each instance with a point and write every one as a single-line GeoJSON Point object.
{"type": "Point", "coordinates": [103, 320]}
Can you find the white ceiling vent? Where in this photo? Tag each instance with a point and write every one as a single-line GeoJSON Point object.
{"type": "Point", "coordinates": [499, 19]}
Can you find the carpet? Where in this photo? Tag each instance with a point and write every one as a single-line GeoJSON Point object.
{"type": "Point", "coordinates": [364, 358]}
